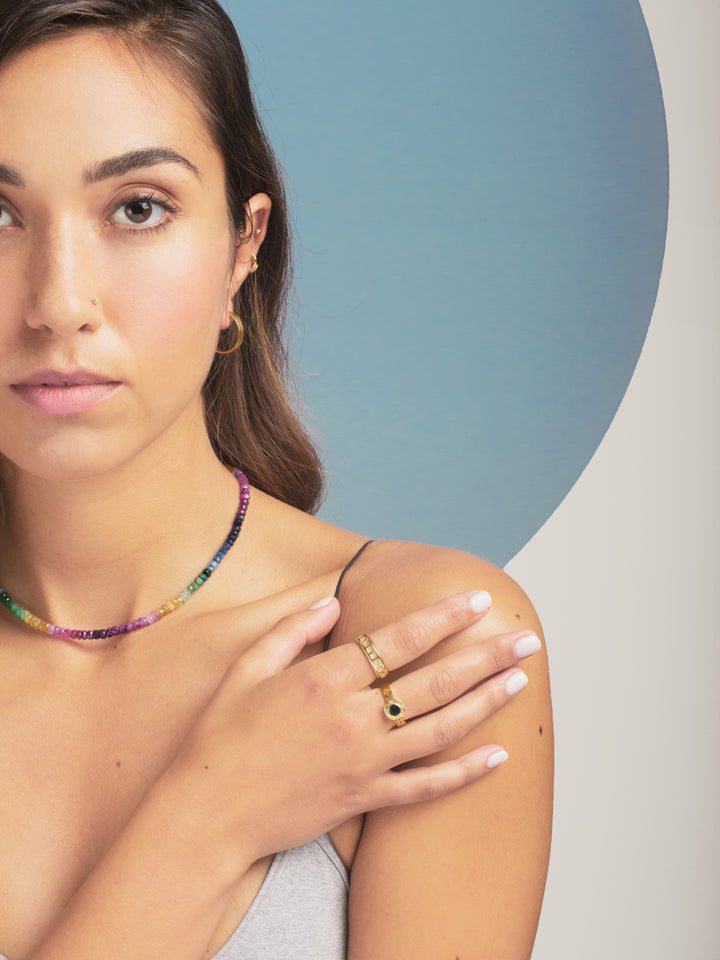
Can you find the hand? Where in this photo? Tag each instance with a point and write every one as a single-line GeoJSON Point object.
{"type": "Point", "coordinates": [284, 752]}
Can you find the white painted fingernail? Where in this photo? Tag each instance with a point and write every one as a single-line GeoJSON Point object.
{"type": "Point", "coordinates": [515, 683]}
{"type": "Point", "coordinates": [322, 603]}
{"type": "Point", "coordinates": [526, 646]}
{"type": "Point", "coordinates": [480, 601]}
{"type": "Point", "coordinates": [495, 759]}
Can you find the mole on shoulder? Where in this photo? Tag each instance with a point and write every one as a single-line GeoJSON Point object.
{"type": "Point", "coordinates": [540, 730]}
{"type": "Point", "coordinates": [117, 763]}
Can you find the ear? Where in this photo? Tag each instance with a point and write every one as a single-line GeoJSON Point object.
{"type": "Point", "coordinates": [258, 214]}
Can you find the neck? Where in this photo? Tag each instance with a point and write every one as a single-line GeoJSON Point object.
{"type": "Point", "coordinates": [105, 549]}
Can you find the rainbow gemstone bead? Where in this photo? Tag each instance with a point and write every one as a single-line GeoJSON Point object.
{"type": "Point", "coordinates": [37, 623]}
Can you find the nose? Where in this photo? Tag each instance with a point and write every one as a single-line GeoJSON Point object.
{"type": "Point", "coordinates": [61, 298]}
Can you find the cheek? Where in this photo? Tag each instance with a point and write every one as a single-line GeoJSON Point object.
{"type": "Point", "coordinates": [13, 286]}
{"type": "Point", "coordinates": [169, 300]}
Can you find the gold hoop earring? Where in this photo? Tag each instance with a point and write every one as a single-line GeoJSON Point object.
{"type": "Point", "coordinates": [254, 266]}
{"type": "Point", "coordinates": [240, 333]}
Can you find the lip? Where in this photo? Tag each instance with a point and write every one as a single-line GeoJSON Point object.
{"type": "Point", "coordinates": [64, 392]}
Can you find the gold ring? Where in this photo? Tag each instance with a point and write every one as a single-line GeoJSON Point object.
{"type": "Point", "coordinates": [394, 708]}
{"type": "Point", "coordinates": [370, 651]}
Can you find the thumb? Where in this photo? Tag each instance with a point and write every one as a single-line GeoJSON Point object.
{"type": "Point", "coordinates": [279, 647]}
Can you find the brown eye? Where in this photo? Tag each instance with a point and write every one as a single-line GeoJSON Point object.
{"type": "Point", "coordinates": [139, 211]}
{"type": "Point", "coordinates": [142, 212]}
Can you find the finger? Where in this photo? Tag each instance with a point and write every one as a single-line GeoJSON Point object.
{"type": "Point", "coordinates": [442, 682]}
{"type": "Point", "coordinates": [428, 783]}
{"type": "Point", "coordinates": [279, 647]}
{"type": "Point", "coordinates": [437, 731]}
{"type": "Point", "coordinates": [413, 635]}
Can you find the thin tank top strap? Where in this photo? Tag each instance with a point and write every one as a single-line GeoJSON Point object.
{"type": "Point", "coordinates": [349, 564]}
{"type": "Point", "coordinates": [345, 569]}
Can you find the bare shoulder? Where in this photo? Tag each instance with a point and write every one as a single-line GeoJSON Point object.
{"type": "Point", "coordinates": [394, 578]}
{"type": "Point", "coordinates": [290, 547]}
{"type": "Point", "coordinates": [474, 862]}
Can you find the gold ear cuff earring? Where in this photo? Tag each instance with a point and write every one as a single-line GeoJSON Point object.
{"type": "Point", "coordinates": [240, 333]}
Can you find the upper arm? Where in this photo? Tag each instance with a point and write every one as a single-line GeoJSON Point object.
{"type": "Point", "coordinates": [462, 876]}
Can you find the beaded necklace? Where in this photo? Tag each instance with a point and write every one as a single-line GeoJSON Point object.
{"type": "Point", "coordinates": [37, 623]}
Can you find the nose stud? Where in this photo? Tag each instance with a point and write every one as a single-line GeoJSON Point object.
{"type": "Point", "coordinates": [95, 301]}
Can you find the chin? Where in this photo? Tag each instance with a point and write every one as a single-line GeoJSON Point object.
{"type": "Point", "coordinates": [73, 457]}
{"type": "Point", "coordinates": [84, 449]}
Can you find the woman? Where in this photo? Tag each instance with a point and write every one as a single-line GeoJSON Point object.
{"type": "Point", "coordinates": [154, 763]}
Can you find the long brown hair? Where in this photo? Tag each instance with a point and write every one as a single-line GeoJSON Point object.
{"type": "Point", "coordinates": [249, 413]}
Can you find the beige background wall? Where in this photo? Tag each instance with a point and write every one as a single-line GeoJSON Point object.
{"type": "Point", "coordinates": [626, 578]}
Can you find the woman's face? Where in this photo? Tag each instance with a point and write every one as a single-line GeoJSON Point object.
{"type": "Point", "coordinates": [110, 191]}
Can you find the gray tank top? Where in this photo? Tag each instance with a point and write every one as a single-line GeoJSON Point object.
{"type": "Point", "coordinates": [299, 913]}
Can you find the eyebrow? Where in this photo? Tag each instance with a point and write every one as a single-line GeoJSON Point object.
{"type": "Point", "coordinates": [134, 160]}
{"type": "Point", "coordinates": [11, 176]}
{"type": "Point", "coordinates": [113, 167]}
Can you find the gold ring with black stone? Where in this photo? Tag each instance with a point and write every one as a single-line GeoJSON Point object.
{"type": "Point", "coordinates": [394, 709]}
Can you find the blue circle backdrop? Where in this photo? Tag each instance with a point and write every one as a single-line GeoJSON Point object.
{"type": "Point", "coordinates": [480, 197]}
